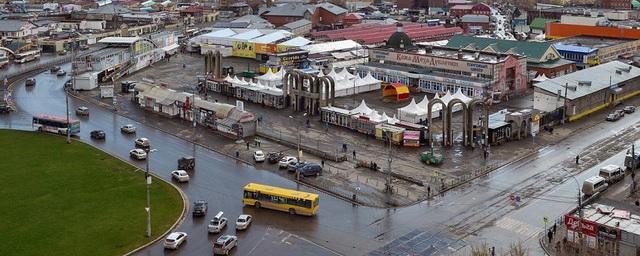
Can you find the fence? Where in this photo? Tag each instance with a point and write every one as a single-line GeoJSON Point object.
{"type": "Point", "coordinates": [552, 118]}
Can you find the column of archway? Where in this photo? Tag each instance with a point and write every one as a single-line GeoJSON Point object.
{"type": "Point", "coordinates": [470, 107]}
{"type": "Point", "coordinates": [444, 123]}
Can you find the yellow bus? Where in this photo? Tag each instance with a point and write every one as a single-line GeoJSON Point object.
{"type": "Point", "coordinates": [286, 200]}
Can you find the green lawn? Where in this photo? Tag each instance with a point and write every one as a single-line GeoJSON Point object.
{"type": "Point", "coordinates": [59, 199]}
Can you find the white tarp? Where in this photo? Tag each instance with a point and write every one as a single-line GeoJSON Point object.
{"type": "Point", "coordinates": [331, 46]}
{"type": "Point", "coordinates": [361, 109]}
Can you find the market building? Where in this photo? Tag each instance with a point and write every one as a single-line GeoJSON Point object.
{"type": "Point", "coordinates": [477, 74]}
{"type": "Point", "coordinates": [588, 51]}
{"type": "Point", "coordinates": [377, 34]}
{"type": "Point", "coordinates": [542, 57]}
{"type": "Point", "coordinates": [589, 90]}
{"type": "Point", "coordinates": [603, 228]}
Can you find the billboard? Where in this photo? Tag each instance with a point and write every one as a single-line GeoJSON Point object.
{"type": "Point", "coordinates": [430, 61]}
{"type": "Point", "coordinates": [243, 49]}
{"type": "Point", "coordinates": [266, 48]}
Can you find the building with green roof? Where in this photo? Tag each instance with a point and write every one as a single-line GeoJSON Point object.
{"type": "Point", "coordinates": [542, 57]}
{"type": "Point", "coordinates": [537, 25]}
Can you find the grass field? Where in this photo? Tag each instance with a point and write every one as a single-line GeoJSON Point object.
{"type": "Point", "coordinates": [60, 199]}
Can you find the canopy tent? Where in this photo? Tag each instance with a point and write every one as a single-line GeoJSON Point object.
{"type": "Point", "coordinates": [349, 84]}
{"type": "Point", "coordinates": [361, 109]}
{"type": "Point", "coordinates": [540, 78]}
{"type": "Point", "coordinates": [397, 91]}
{"type": "Point", "coordinates": [413, 112]}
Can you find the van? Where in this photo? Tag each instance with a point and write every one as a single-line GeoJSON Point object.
{"type": "Point", "coordinates": [594, 185]}
{"type": "Point", "coordinates": [611, 173]}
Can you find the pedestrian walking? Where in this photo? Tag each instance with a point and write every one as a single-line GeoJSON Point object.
{"type": "Point", "coordinates": [237, 154]}
{"type": "Point", "coordinates": [322, 162]}
{"type": "Point", "coordinates": [428, 191]}
{"type": "Point", "coordinates": [354, 154]}
{"type": "Point", "coordinates": [184, 66]}
{"type": "Point", "coordinates": [550, 235]}
{"type": "Point", "coordinates": [247, 145]}
{"type": "Point", "coordinates": [344, 147]}
{"type": "Point", "coordinates": [577, 159]}
{"type": "Point", "coordinates": [259, 142]}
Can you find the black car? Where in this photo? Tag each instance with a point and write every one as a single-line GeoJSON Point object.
{"type": "Point", "coordinates": [629, 109]}
{"type": "Point", "coordinates": [30, 82]}
{"type": "Point", "coordinates": [275, 157]}
{"type": "Point", "coordinates": [98, 134]}
{"type": "Point", "coordinates": [200, 208]}
{"type": "Point", "coordinates": [4, 109]}
{"type": "Point", "coordinates": [54, 69]}
{"type": "Point", "coordinates": [310, 170]}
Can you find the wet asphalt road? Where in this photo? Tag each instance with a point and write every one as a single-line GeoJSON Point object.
{"type": "Point", "coordinates": [477, 212]}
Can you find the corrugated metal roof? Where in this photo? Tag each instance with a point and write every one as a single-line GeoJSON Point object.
{"type": "Point", "coordinates": [297, 24]}
{"type": "Point", "coordinates": [119, 40]}
{"type": "Point", "coordinates": [296, 42]}
{"type": "Point", "coordinates": [332, 8]}
{"type": "Point", "coordinates": [600, 77]}
{"type": "Point", "coordinates": [251, 34]}
{"type": "Point", "coordinates": [574, 48]}
{"type": "Point", "coordinates": [272, 37]}
{"type": "Point", "coordinates": [533, 50]}
{"type": "Point", "coordinates": [475, 18]}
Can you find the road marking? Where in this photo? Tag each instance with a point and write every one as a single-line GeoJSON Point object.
{"type": "Point", "coordinates": [518, 227]}
{"type": "Point", "coordinates": [285, 238]}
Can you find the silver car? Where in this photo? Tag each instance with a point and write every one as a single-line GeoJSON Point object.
{"type": "Point", "coordinates": [224, 244]}
{"type": "Point", "coordinates": [217, 223]}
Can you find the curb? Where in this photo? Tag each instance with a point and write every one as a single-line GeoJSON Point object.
{"type": "Point", "coordinates": [104, 105]}
{"type": "Point", "coordinates": [541, 241]}
{"type": "Point", "coordinates": [182, 195]}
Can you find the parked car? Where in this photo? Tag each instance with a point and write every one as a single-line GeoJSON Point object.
{"type": "Point", "coordinates": [293, 166]}
{"type": "Point", "coordinates": [128, 128]}
{"type": "Point", "coordinates": [62, 53]}
{"type": "Point", "coordinates": [285, 161]}
{"type": "Point", "coordinates": [82, 111]}
{"type": "Point", "coordinates": [180, 175]}
{"type": "Point", "coordinates": [84, 47]}
{"type": "Point", "coordinates": [612, 117]}
{"type": "Point", "coordinates": [611, 173]}
{"type": "Point", "coordinates": [142, 142]}
{"type": "Point", "coordinates": [200, 208]}
{"type": "Point", "coordinates": [274, 157]}
{"type": "Point", "coordinates": [258, 156]}
{"type": "Point", "coordinates": [61, 72]}
{"type": "Point", "coordinates": [593, 185]}
{"type": "Point", "coordinates": [54, 69]}
{"type": "Point", "coordinates": [5, 109]}
{"type": "Point", "coordinates": [174, 240]}
{"type": "Point", "coordinates": [629, 109]}
{"type": "Point", "coordinates": [224, 244]}
{"type": "Point", "coordinates": [138, 154]}
{"type": "Point", "coordinates": [620, 112]}
{"type": "Point", "coordinates": [217, 223]}
{"type": "Point", "coordinates": [30, 82]}
{"type": "Point", "coordinates": [98, 134]}
{"type": "Point", "coordinates": [310, 170]}
{"type": "Point", "coordinates": [243, 221]}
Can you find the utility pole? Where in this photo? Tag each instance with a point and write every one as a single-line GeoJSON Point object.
{"type": "Point", "coordinates": [564, 112]}
{"type": "Point", "coordinates": [66, 97]}
{"type": "Point", "coordinates": [147, 177]}
{"type": "Point", "coordinates": [387, 184]}
{"type": "Point", "coordinates": [193, 116]}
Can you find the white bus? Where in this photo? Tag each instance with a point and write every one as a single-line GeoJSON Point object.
{"type": "Point", "coordinates": [27, 56]}
{"type": "Point", "coordinates": [55, 124]}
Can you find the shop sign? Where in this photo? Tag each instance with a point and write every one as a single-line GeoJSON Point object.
{"type": "Point", "coordinates": [266, 48]}
{"type": "Point", "coordinates": [291, 59]}
{"type": "Point", "coordinates": [430, 61]}
{"type": "Point", "coordinates": [586, 227]}
{"type": "Point", "coordinates": [243, 49]}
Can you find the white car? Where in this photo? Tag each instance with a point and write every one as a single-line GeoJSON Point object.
{"type": "Point", "coordinates": [224, 244]}
{"type": "Point", "coordinates": [142, 142]}
{"type": "Point", "coordinates": [138, 154]}
{"type": "Point", "coordinates": [259, 156]}
{"type": "Point", "coordinates": [217, 223]}
{"type": "Point", "coordinates": [174, 240]}
{"type": "Point", "coordinates": [285, 161]}
{"type": "Point", "coordinates": [128, 128]}
{"type": "Point", "coordinates": [243, 222]}
{"type": "Point", "coordinates": [180, 175]}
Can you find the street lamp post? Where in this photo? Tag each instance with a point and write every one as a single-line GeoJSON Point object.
{"type": "Point", "coordinates": [148, 181]}
{"type": "Point", "coordinates": [299, 138]}
{"type": "Point", "coordinates": [579, 203]}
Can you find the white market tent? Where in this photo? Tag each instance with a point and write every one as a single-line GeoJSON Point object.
{"type": "Point", "coordinates": [331, 46]}
{"type": "Point", "coordinates": [349, 84]}
{"type": "Point", "coordinates": [540, 78]}
{"type": "Point", "coordinates": [361, 109]}
{"type": "Point", "coordinates": [413, 112]}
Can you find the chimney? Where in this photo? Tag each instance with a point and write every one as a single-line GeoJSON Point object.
{"type": "Point", "coordinates": [459, 54]}
{"type": "Point", "coordinates": [399, 27]}
{"type": "Point", "coordinates": [476, 55]}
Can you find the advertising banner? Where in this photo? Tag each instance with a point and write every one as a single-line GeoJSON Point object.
{"type": "Point", "coordinates": [430, 61]}
{"type": "Point", "coordinates": [243, 49]}
{"type": "Point", "coordinates": [266, 48]}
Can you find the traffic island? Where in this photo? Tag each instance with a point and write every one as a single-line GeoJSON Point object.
{"type": "Point", "coordinates": [72, 199]}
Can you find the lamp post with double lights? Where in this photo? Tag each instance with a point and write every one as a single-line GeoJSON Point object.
{"type": "Point", "coordinates": [147, 177]}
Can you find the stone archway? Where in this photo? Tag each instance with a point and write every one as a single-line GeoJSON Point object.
{"type": "Point", "coordinates": [444, 123]}
{"type": "Point", "coordinates": [318, 92]}
{"type": "Point", "coordinates": [8, 51]}
{"type": "Point", "coordinates": [449, 114]}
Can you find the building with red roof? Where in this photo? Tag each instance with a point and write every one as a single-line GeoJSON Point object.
{"type": "Point", "coordinates": [376, 34]}
{"type": "Point", "coordinates": [352, 19]}
{"type": "Point", "coordinates": [464, 9]}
